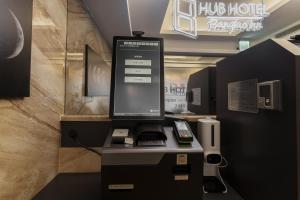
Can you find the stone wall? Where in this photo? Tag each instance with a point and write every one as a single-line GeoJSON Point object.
{"type": "Point", "coordinates": [83, 31]}
{"type": "Point", "coordinates": [30, 127]}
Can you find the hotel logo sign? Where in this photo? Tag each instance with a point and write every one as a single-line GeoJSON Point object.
{"type": "Point", "coordinates": [220, 16]}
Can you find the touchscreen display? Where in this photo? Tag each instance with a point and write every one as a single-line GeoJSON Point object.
{"type": "Point", "coordinates": [137, 86]}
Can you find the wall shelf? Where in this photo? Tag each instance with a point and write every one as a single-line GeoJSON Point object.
{"type": "Point", "coordinates": [190, 118]}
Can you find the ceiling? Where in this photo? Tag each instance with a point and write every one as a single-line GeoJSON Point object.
{"type": "Point", "coordinates": [120, 17]}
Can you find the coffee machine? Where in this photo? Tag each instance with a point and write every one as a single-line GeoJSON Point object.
{"type": "Point", "coordinates": [209, 137]}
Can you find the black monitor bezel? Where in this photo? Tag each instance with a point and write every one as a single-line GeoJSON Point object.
{"type": "Point", "coordinates": [162, 85]}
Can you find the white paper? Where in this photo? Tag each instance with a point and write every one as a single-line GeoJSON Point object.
{"type": "Point", "coordinates": [120, 133]}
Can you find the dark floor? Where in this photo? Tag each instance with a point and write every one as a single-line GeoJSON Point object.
{"type": "Point", "coordinates": [87, 187]}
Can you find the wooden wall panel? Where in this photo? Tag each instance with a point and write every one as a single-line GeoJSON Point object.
{"type": "Point", "coordinates": [29, 127]}
{"type": "Point", "coordinates": [78, 160]}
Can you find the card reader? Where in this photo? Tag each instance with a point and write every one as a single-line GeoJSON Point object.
{"type": "Point", "coordinates": [183, 132]}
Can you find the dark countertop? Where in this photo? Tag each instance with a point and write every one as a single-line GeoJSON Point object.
{"type": "Point", "coordinates": [86, 186]}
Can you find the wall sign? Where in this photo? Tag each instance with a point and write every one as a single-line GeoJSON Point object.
{"type": "Point", "coordinates": [175, 95]}
{"type": "Point", "coordinates": [176, 79]}
{"type": "Point", "coordinates": [220, 16]}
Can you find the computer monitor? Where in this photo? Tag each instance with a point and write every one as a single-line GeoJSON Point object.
{"type": "Point", "coordinates": [137, 82]}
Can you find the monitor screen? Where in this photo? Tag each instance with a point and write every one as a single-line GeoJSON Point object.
{"type": "Point", "coordinates": [137, 90]}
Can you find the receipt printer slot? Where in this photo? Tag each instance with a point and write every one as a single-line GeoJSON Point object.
{"type": "Point", "coordinates": [182, 169]}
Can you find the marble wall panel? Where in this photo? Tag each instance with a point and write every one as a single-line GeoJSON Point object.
{"type": "Point", "coordinates": [28, 154]}
{"type": "Point", "coordinates": [29, 127]}
{"type": "Point", "coordinates": [82, 31]}
{"type": "Point", "coordinates": [78, 160]}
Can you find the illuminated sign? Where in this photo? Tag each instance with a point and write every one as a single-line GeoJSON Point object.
{"type": "Point", "coordinates": [221, 17]}
{"type": "Point", "coordinates": [188, 17]}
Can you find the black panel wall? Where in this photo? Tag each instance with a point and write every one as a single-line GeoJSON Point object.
{"type": "Point", "coordinates": [90, 133]}
{"type": "Point", "coordinates": [261, 148]}
{"type": "Point", "coordinates": [298, 121]}
{"type": "Point", "coordinates": [206, 80]}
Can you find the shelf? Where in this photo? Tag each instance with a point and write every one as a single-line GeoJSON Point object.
{"type": "Point", "coordinates": [84, 118]}
{"type": "Point", "coordinates": [190, 118]}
